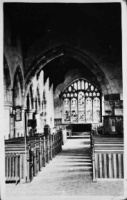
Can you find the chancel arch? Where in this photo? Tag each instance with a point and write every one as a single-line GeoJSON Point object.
{"type": "Point", "coordinates": [62, 51]}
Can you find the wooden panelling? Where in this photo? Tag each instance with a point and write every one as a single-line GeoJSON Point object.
{"type": "Point", "coordinates": [108, 154]}
{"type": "Point", "coordinates": [12, 167]}
{"type": "Point", "coordinates": [109, 165]}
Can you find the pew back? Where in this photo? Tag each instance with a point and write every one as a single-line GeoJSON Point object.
{"type": "Point", "coordinates": [25, 161]}
{"type": "Point", "coordinates": [108, 158]}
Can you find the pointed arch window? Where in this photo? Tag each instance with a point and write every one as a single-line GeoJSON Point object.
{"type": "Point", "coordinates": [81, 102]}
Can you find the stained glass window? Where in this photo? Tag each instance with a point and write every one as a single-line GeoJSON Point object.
{"type": "Point", "coordinates": [86, 85]}
{"type": "Point", "coordinates": [79, 85]}
{"type": "Point", "coordinates": [81, 101]}
{"type": "Point", "coordinates": [66, 110]}
{"type": "Point", "coordinates": [83, 85]}
{"type": "Point", "coordinates": [89, 109]}
{"type": "Point", "coordinates": [92, 88]}
{"type": "Point", "coordinates": [96, 109]}
{"type": "Point", "coordinates": [69, 89]}
{"type": "Point", "coordinates": [75, 86]}
{"type": "Point", "coordinates": [81, 107]}
{"type": "Point", "coordinates": [74, 116]}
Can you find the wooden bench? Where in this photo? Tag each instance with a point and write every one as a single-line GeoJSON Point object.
{"type": "Point", "coordinates": [23, 160]}
{"type": "Point", "coordinates": [107, 158]}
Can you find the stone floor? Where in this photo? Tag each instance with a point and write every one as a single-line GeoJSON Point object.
{"type": "Point", "coordinates": [67, 176]}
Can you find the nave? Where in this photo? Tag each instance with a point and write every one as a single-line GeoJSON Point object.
{"type": "Point", "coordinates": [68, 175]}
{"type": "Point", "coordinates": [62, 75]}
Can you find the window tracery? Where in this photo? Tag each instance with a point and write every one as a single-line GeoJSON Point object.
{"type": "Point", "coordinates": [81, 102]}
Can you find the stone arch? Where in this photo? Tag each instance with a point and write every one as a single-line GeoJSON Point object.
{"type": "Point", "coordinates": [18, 87]}
{"type": "Point", "coordinates": [19, 72]}
{"type": "Point", "coordinates": [30, 94]}
{"type": "Point", "coordinates": [54, 53]}
{"type": "Point", "coordinates": [28, 101]}
{"type": "Point", "coordinates": [7, 82]}
{"type": "Point", "coordinates": [38, 98]}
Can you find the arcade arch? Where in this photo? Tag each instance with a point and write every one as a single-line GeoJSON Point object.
{"type": "Point", "coordinates": [47, 57]}
{"type": "Point", "coordinates": [17, 116]}
{"type": "Point", "coordinates": [7, 98]}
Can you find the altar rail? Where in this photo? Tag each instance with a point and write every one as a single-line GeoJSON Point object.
{"type": "Point", "coordinates": [107, 158]}
{"type": "Point", "coordinates": [23, 160]}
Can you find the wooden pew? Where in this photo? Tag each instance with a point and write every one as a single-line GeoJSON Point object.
{"type": "Point", "coordinates": [24, 162]}
{"type": "Point", "coordinates": [14, 162]}
{"type": "Point", "coordinates": [107, 158]}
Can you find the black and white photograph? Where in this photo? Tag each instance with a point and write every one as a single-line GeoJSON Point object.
{"type": "Point", "coordinates": [63, 100]}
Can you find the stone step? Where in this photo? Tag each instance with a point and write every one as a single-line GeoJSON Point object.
{"type": "Point", "coordinates": [76, 164]}
{"type": "Point", "coordinates": [78, 136]}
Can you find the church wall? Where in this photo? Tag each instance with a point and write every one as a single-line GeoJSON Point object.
{"type": "Point", "coordinates": [112, 106]}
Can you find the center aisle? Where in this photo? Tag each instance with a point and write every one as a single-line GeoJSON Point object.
{"type": "Point", "coordinates": [68, 174]}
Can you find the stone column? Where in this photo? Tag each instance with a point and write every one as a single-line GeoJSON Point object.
{"type": "Point", "coordinates": [103, 107]}
{"type": "Point", "coordinates": [46, 118]}
{"type": "Point", "coordinates": [44, 112]}
{"type": "Point", "coordinates": [124, 62]}
{"type": "Point", "coordinates": [38, 122]}
{"type": "Point", "coordinates": [47, 103]}
{"type": "Point", "coordinates": [34, 103]}
{"type": "Point", "coordinates": [51, 107]}
{"type": "Point", "coordinates": [2, 124]}
{"type": "Point", "coordinates": [30, 106]}
{"type": "Point", "coordinates": [24, 130]}
{"type": "Point", "coordinates": [29, 117]}
{"type": "Point", "coordinates": [7, 115]}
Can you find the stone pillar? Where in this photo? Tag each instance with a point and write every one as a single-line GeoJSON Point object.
{"type": "Point", "coordinates": [2, 124]}
{"type": "Point", "coordinates": [29, 117]}
{"type": "Point", "coordinates": [24, 130]}
{"type": "Point", "coordinates": [44, 112]}
{"type": "Point", "coordinates": [30, 113]}
{"type": "Point", "coordinates": [48, 100]}
{"type": "Point", "coordinates": [124, 62]}
{"type": "Point", "coordinates": [34, 103]}
{"type": "Point", "coordinates": [41, 83]}
{"type": "Point", "coordinates": [39, 130]}
{"type": "Point", "coordinates": [2, 148]}
{"type": "Point", "coordinates": [7, 115]}
{"type": "Point", "coordinates": [51, 107]}
{"type": "Point", "coordinates": [30, 106]}
{"type": "Point", "coordinates": [103, 108]}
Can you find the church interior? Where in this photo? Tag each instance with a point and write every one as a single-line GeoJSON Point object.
{"type": "Point", "coordinates": [62, 69]}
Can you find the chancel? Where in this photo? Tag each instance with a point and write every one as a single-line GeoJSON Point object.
{"type": "Point", "coordinates": [63, 98]}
